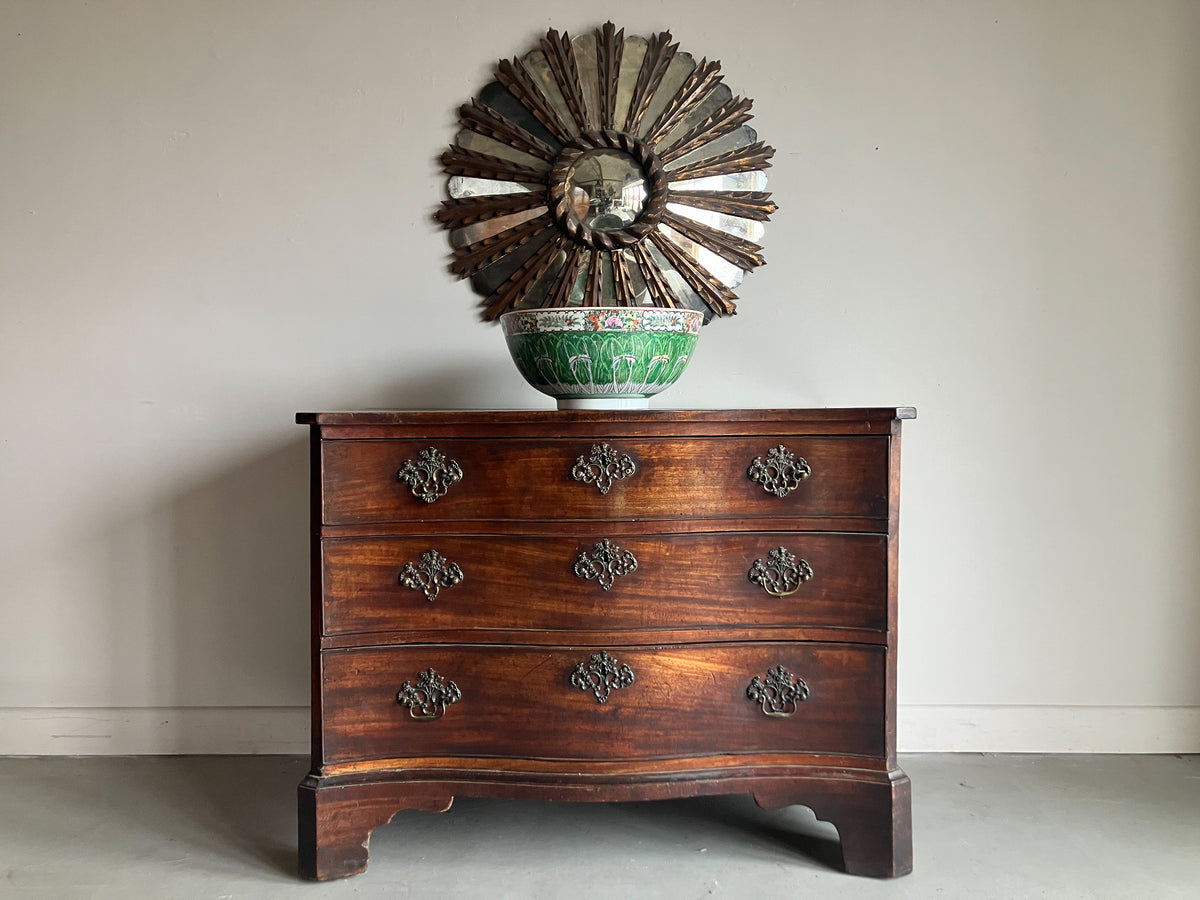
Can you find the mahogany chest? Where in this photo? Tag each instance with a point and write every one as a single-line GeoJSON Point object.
{"type": "Point", "coordinates": [604, 606]}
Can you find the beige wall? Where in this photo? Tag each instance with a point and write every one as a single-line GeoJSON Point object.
{"type": "Point", "coordinates": [215, 214]}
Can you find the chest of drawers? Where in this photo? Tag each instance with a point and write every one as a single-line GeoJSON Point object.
{"type": "Point", "coordinates": [604, 606]}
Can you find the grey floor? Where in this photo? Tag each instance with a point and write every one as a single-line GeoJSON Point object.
{"type": "Point", "coordinates": [224, 827]}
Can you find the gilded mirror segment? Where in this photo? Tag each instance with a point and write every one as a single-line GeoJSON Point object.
{"type": "Point", "coordinates": [606, 170]}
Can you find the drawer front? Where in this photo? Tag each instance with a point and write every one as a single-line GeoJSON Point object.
{"type": "Point", "coordinates": [544, 702]}
{"type": "Point", "coordinates": [612, 478]}
{"type": "Point", "coordinates": [628, 582]}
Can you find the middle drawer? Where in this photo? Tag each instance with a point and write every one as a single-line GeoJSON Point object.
{"type": "Point", "coordinates": [628, 582]}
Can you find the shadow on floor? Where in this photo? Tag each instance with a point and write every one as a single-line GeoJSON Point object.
{"type": "Point", "coordinates": [235, 817]}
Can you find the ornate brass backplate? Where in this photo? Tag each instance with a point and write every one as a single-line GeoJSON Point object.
{"type": "Point", "coordinates": [429, 697]}
{"type": "Point", "coordinates": [606, 170]}
{"type": "Point", "coordinates": [603, 466]}
{"type": "Point", "coordinates": [430, 475]}
{"type": "Point", "coordinates": [781, 573]}
{"type": "Point", "coordinates": [779, 694]}
{"type": "Point", "coordinates": [602, 675]}
{"type": "Point", "coordinates": [430, 574]}
{"type": "Point", "coordinates": [781, 472]}
{"type": "Point", "coordinates": [604, 563]}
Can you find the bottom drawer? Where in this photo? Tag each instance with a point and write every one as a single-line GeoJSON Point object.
{"type": "Point", "coordinates": [589, 704]}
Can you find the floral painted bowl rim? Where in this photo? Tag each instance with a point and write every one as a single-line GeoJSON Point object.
{"type": "Point", "coordinates": [611, 319]}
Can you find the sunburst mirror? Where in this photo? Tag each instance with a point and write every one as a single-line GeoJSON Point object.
{"type": "Point", "coordinates": [606, 170]}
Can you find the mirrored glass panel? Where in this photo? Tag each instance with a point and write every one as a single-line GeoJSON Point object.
{"type": "Point", "coordinates": [589, 75]}
{"type": "Point", "coordinates": [735, 140]}
{"type": "Point", "coordinates": [735, 225]}
{"type": "Point", "coordinates": [497, 98]}
{"type": "Point", "coordinates": [481, 231]}
{"type": "Point", "coordinates": [460, 187]}
{"type": "Point", "coordinates": [735, 181]}
{"type": "Point", "coordinates": [539, 70]}
{"type": "Point", "coordinates": [718, 97]}
{"type": "Point", "coordinates": [631, 64]}
{"type": "Point", "coordinates": [721, 269]}
{"type": "Point", "coordinates": [480, 144]}
{"type": "Point", "coordinates": [677, 72]}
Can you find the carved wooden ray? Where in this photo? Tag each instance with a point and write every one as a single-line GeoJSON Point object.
{"type": "Point", "coordinates": [755, 205]}
{"type": "Point", "coordinates": [622, 280]}
{"type": "Point", "coordinates": [560, 294]}
{"type": "Point", "coordinates": [716, 296]}
{"type": "Point", "coordinates": [595, 275]}
{"type": "Point", "coordinates": [745, 159]}
{"type": "Point", "coordinates": [468, 210]}
{"type": "Point", "coordinates": [472, 163]}
{"type": "Point", "coordinates": [660, 292]}
{"type": "Point", "coordinates": [506, 297]}
{"type": "Point", "coordinates": [726, 118]}
{"type": "Point", "coordinates": [473, 257]}
{"type": "Point", "coordinates": [486, 121]}
{"type": "Point", "coordinates": [659, 53]}
{"type": "Point", "coordinates": [699, 84]}
{"type": "Point", "coordinates": [514, 76]}
{"type": "Point", "coordinates": [610, 46]}
{"type": "Point", "coordinates": [561, 57]}
{"type": "Point", "coordinates": [742, 253]}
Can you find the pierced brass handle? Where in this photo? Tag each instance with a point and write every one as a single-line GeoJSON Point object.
{"type": "Point", "coordinates": [432, 573]}
{"type": "Point", "coordinates": [430, 475]}
{"type": "Point", "coordinates": [780, 694]}
{"type": "Point", "coordinates": [603, 465]}
{"type": "Point", "coordinates": [781, 573]}
{"type": "Point", "coordinates": [429, 697]}
{"type": "Point", "coordinates": [602, 675]}
{"type": "Point", "coordinates": [781, 472]}
{"type": "Point", "coordinates": [606, 562]}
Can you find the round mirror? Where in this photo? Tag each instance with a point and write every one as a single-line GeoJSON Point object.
{"type": "Point", "coordinates": [606, 190]}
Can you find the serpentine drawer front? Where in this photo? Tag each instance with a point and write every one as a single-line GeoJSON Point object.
{"type": "Point", "coordinates": [604, 606]}
{"type": "Point", "coordinates": [626, 581]}
{"type": "Point", "coordinates": [511, 478]}
{"type": "Point", "coordinates": [521, 702]}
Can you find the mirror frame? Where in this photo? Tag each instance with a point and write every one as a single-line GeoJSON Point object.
{"type": "Point", "coordinates": [523, 232]}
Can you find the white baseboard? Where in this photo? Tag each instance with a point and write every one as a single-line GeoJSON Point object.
{"type": "Point", "coordinates": [36, 731]}
{"type": "Point", "coordinates": [1049, 729]}
{"type": "Point", "coordinates": [140, 730]}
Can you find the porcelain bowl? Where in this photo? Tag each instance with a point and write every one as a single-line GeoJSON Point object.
{"type": "Point", "coordinates": [601, 357]}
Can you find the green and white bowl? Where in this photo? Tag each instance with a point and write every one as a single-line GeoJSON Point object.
{"type": "Point", "coordinates": [601, 357]}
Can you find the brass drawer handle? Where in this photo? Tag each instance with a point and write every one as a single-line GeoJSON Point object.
{"type": "Point", "coordinates": [781, 472]}
{"type": "Point", "coordinates": [780, 694]}
{"type": "Point", "coordinates": [603, 465]}
{"type": "Point", "coordinates": [606, 562]}
{"type": "Point", "coordinates": [602, 675]}
{"type": "Point", "coordinates": [781, 573]}
{"type": "Point", "coordinates": [429, 697]}
{"type": "Point", "coordinates": [430, 475]}
{"type": "Point", "coordinates": [432, 573]}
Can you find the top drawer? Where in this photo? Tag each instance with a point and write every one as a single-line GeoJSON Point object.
{"type": "Point", "coordinates": [365, 481]}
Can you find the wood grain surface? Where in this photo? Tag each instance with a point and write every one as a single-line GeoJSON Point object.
{"type": "Point", "coordinates": [686, 700]}
{"type": "Point", "coordinates": [688, 621]}
{"type": "Point", "coordinates": [675, 478]}
{"type": "Point", "coordinates": [529, 582]}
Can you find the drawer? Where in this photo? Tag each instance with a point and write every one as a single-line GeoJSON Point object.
{"type": "Point", "coordinates": [661, 478]}
{"type": "Point", "coordinates": [658, 702]}
{"type": "Point", "coordinates": [629, 582]}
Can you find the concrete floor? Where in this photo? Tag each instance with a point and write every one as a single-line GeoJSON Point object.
{"type": "Point", "coordinates": [985, 827]}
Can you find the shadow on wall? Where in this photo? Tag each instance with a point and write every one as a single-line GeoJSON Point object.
{"type": "Point", "coordinates": [208, 591]}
